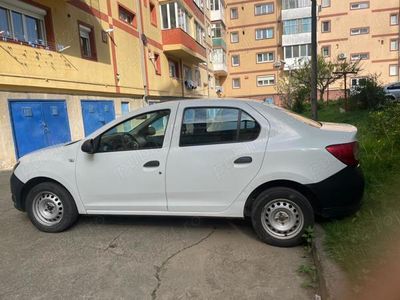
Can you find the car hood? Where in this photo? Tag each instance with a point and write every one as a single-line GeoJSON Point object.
{"type": "Point", "coordinates": [51, 152]}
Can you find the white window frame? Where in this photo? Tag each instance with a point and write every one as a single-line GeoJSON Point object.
{"type": "Point", "coordinates": [267, 55]}
{"type": "Point", "coordinates": [395, 68]}
{"type": "Point", "coordinates": [237, 13]}
{"type": "Point", "coordinates": [395, 21]}
{"type": "Point", "coordinates": [359, 31]}
{"type": "Point", "coordinates": [84, 32]}
{"type": "Point", "coordinates": [359, 56]}
{"type": "Point", "coordinates": [264, 9]}
{"type": "Point", "coordinates": [232, 60]}
{"type": "Point", "coordinates": [323, 27]}
{"type": "Point", "coordinates": [197, 76]}
{"type": "Point", "coordinates": [173, 65]}
{"type": "Point", "coordinates": [297, 4]}
{"type": "Point", "coordinates": [308, 51]}
{"type": "Point", "coordinates": [266, 80]}
{"type": "Point", "coordinates": [233, 83]}
{"type": "Point", "coordinates": [359, 5]}
{"type": "Point", "coordinates": [325, 3]}
{"type": "Point", "coordinates": [25, 10]}
{"type": "Point", "coordinates": [262, 33]}
{"type": "Point", "coordinates": [231, 37]}
{"type": "Point", "coordinates": [394, 45]}
{"type": "Point", "coordinates": [324, 48]}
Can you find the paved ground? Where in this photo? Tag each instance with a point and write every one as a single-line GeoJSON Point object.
{"type": "Point", "coordinates": [142, 258]}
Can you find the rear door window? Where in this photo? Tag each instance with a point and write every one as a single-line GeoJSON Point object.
{"type": "Point", "coordinates": [216, 125]}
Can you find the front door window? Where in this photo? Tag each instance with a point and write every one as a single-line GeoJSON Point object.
{"type": "Point", "coordinates": [145, 131]}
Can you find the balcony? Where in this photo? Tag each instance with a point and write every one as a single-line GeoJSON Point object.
{"type": "Point", "coordinates": [180, 44]}
{"type": "Point", "coordinates": [295, 63]}
{"type": "Point", "coordinates": [220, 68]}
{"type": "Point", "coordinates": [296, 39]}
{"type": "Point", "coordinates": [217, 15]}
{"type": "Point", "coordinates": [298, 13]}
{"type": "Point", "coordinates": [219, 42]}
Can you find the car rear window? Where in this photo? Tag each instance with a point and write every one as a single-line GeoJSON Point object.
{"type": "Point", "coordinates": [302, 118]}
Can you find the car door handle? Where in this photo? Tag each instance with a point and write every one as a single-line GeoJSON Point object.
{"type": "Point", "coordinates": [152, 164]}
{"type": "Point", "coordinates": [243, 160]}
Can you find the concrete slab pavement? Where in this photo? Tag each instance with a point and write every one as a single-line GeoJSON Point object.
{"type": "Point", "coordinates": [143, 258]}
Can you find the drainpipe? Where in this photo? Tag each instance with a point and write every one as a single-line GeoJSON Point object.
{"type": "Point", "coordinates": [142, 50]}
{"type": "Point", "coordinates": [182, 79]}
{"type": "Point", "coordinates": [398, 42]}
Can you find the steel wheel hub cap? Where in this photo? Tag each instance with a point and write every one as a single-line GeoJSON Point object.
{"type": "Point", "coordinates": [48, 208]}
{"type": "Point", "coordinates": [282, 218]}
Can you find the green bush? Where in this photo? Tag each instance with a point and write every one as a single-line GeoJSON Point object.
{"type": "Point", "coordinates": [300, 98]}
{"type": "Point", "coordinates": [385, 123]}
{"type": "Point", "coordinates": [369, 95]}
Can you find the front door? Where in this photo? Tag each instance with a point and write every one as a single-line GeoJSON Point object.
{"type": "Point", "coordinates": [127, 172]}
{"type": "Point", "coordinates": [214, 155]}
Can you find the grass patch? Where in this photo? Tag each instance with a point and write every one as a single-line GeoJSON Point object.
{"type": "Point", "coordinates": [356, 242]}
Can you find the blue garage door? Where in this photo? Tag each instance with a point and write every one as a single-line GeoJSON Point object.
{"type": "Point", "coordinates": [96, 114]}
{"type": "Point", "coordinates": [38, 124]}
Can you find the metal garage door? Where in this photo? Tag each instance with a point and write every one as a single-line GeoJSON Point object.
{"type": "Point", "coordinates": [96, 114]}
{"type": "Point", "coordinates": [38, 124]}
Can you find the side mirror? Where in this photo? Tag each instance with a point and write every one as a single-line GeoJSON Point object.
{"type": "Point", "coordinates": [150, 131]}
{"type": "Point", "coordinates": [88, 146]}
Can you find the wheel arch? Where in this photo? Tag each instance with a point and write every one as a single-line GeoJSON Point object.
{"type": "Point", "coordinates": [35, 181]}
{"type": "Point", "coordinates": [304, 190]}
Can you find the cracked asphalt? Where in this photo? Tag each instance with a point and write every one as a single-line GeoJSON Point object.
{"type": "Point", "coordinates": [143, 258]}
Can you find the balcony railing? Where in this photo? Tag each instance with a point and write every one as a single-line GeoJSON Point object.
{"type": "Point", "coordinates": [220, 68]}
{"type": "Point", "coordinates": [219, 42]}
{"type": "Point", "coordinates": [217, 15]}
{"type": "Point", "coordinates": [180, 44]}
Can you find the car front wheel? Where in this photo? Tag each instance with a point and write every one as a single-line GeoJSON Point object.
{"type": "Point", "coordinates": [280, 216]}
{"type": "Point", "coordinates": [50, 207]}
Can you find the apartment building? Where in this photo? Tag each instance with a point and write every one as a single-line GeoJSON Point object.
{"type": "Point", "coordinates": [265, 39]}
{"type": "Point", "coordinates": [69, 66]}
{"type": "Point", "coordinates": [254, 34]}
{"type": "Point", "coordinates": [362, 30]}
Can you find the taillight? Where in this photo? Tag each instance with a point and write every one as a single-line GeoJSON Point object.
{"type": "Point", "coordinates": [346, 153]}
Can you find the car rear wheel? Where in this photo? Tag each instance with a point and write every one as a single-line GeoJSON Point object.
{"type": "Point", "coordinates": [280, 216]}
{"type": "Point", "coordinates": [50, 207]}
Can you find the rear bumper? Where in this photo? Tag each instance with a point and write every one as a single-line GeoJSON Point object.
{"type": "Point", "coordinates": [341, 194]}
{"type": "Point", "coordinates": [16, 186]}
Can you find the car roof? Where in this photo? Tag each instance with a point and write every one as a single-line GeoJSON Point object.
{"type": "Point", "coordinates": [214, 101]}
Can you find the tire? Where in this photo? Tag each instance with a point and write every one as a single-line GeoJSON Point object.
{"type": "Point", "coordinates": [280, 216]}
{"type": "Point", "coordinates": [50, 207]}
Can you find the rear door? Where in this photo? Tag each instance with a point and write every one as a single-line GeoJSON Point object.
{"type": "Point", "coordinates": [215, 153]}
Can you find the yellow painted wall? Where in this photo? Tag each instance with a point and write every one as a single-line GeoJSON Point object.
{"type": "Point", "coordinates": [248, 47]}
{"type": "Point", "coordinates": [376, 43]}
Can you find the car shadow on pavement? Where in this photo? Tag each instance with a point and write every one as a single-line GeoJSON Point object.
{"type": "Point", "coordinates": [220, 224]}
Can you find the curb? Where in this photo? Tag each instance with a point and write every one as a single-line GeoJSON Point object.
{"type": "Point", "coordinates": [333, 283]}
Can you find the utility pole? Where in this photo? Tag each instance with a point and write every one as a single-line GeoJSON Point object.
{"type": "Point", "coordinates": [314, 71]}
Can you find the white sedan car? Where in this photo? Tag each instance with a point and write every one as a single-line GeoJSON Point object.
{"type": "Point", "coordinates": [208, 158]}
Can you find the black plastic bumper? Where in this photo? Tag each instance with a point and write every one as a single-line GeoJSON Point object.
{"type": "Point", "coordinates": [16, 186]}
{"type": "Point", "coordinates": [341, 194]}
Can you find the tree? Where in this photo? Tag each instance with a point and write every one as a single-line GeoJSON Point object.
{"type": "Point", "coordinates": [329, 71]}
{"type": "Point", "coordinates": [293, 93]}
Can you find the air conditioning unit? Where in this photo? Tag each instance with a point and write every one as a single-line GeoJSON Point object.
{"type": "Point", "coordinates": [342, 56]}
{"type": "Point", "coordinates": [277, 65]}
